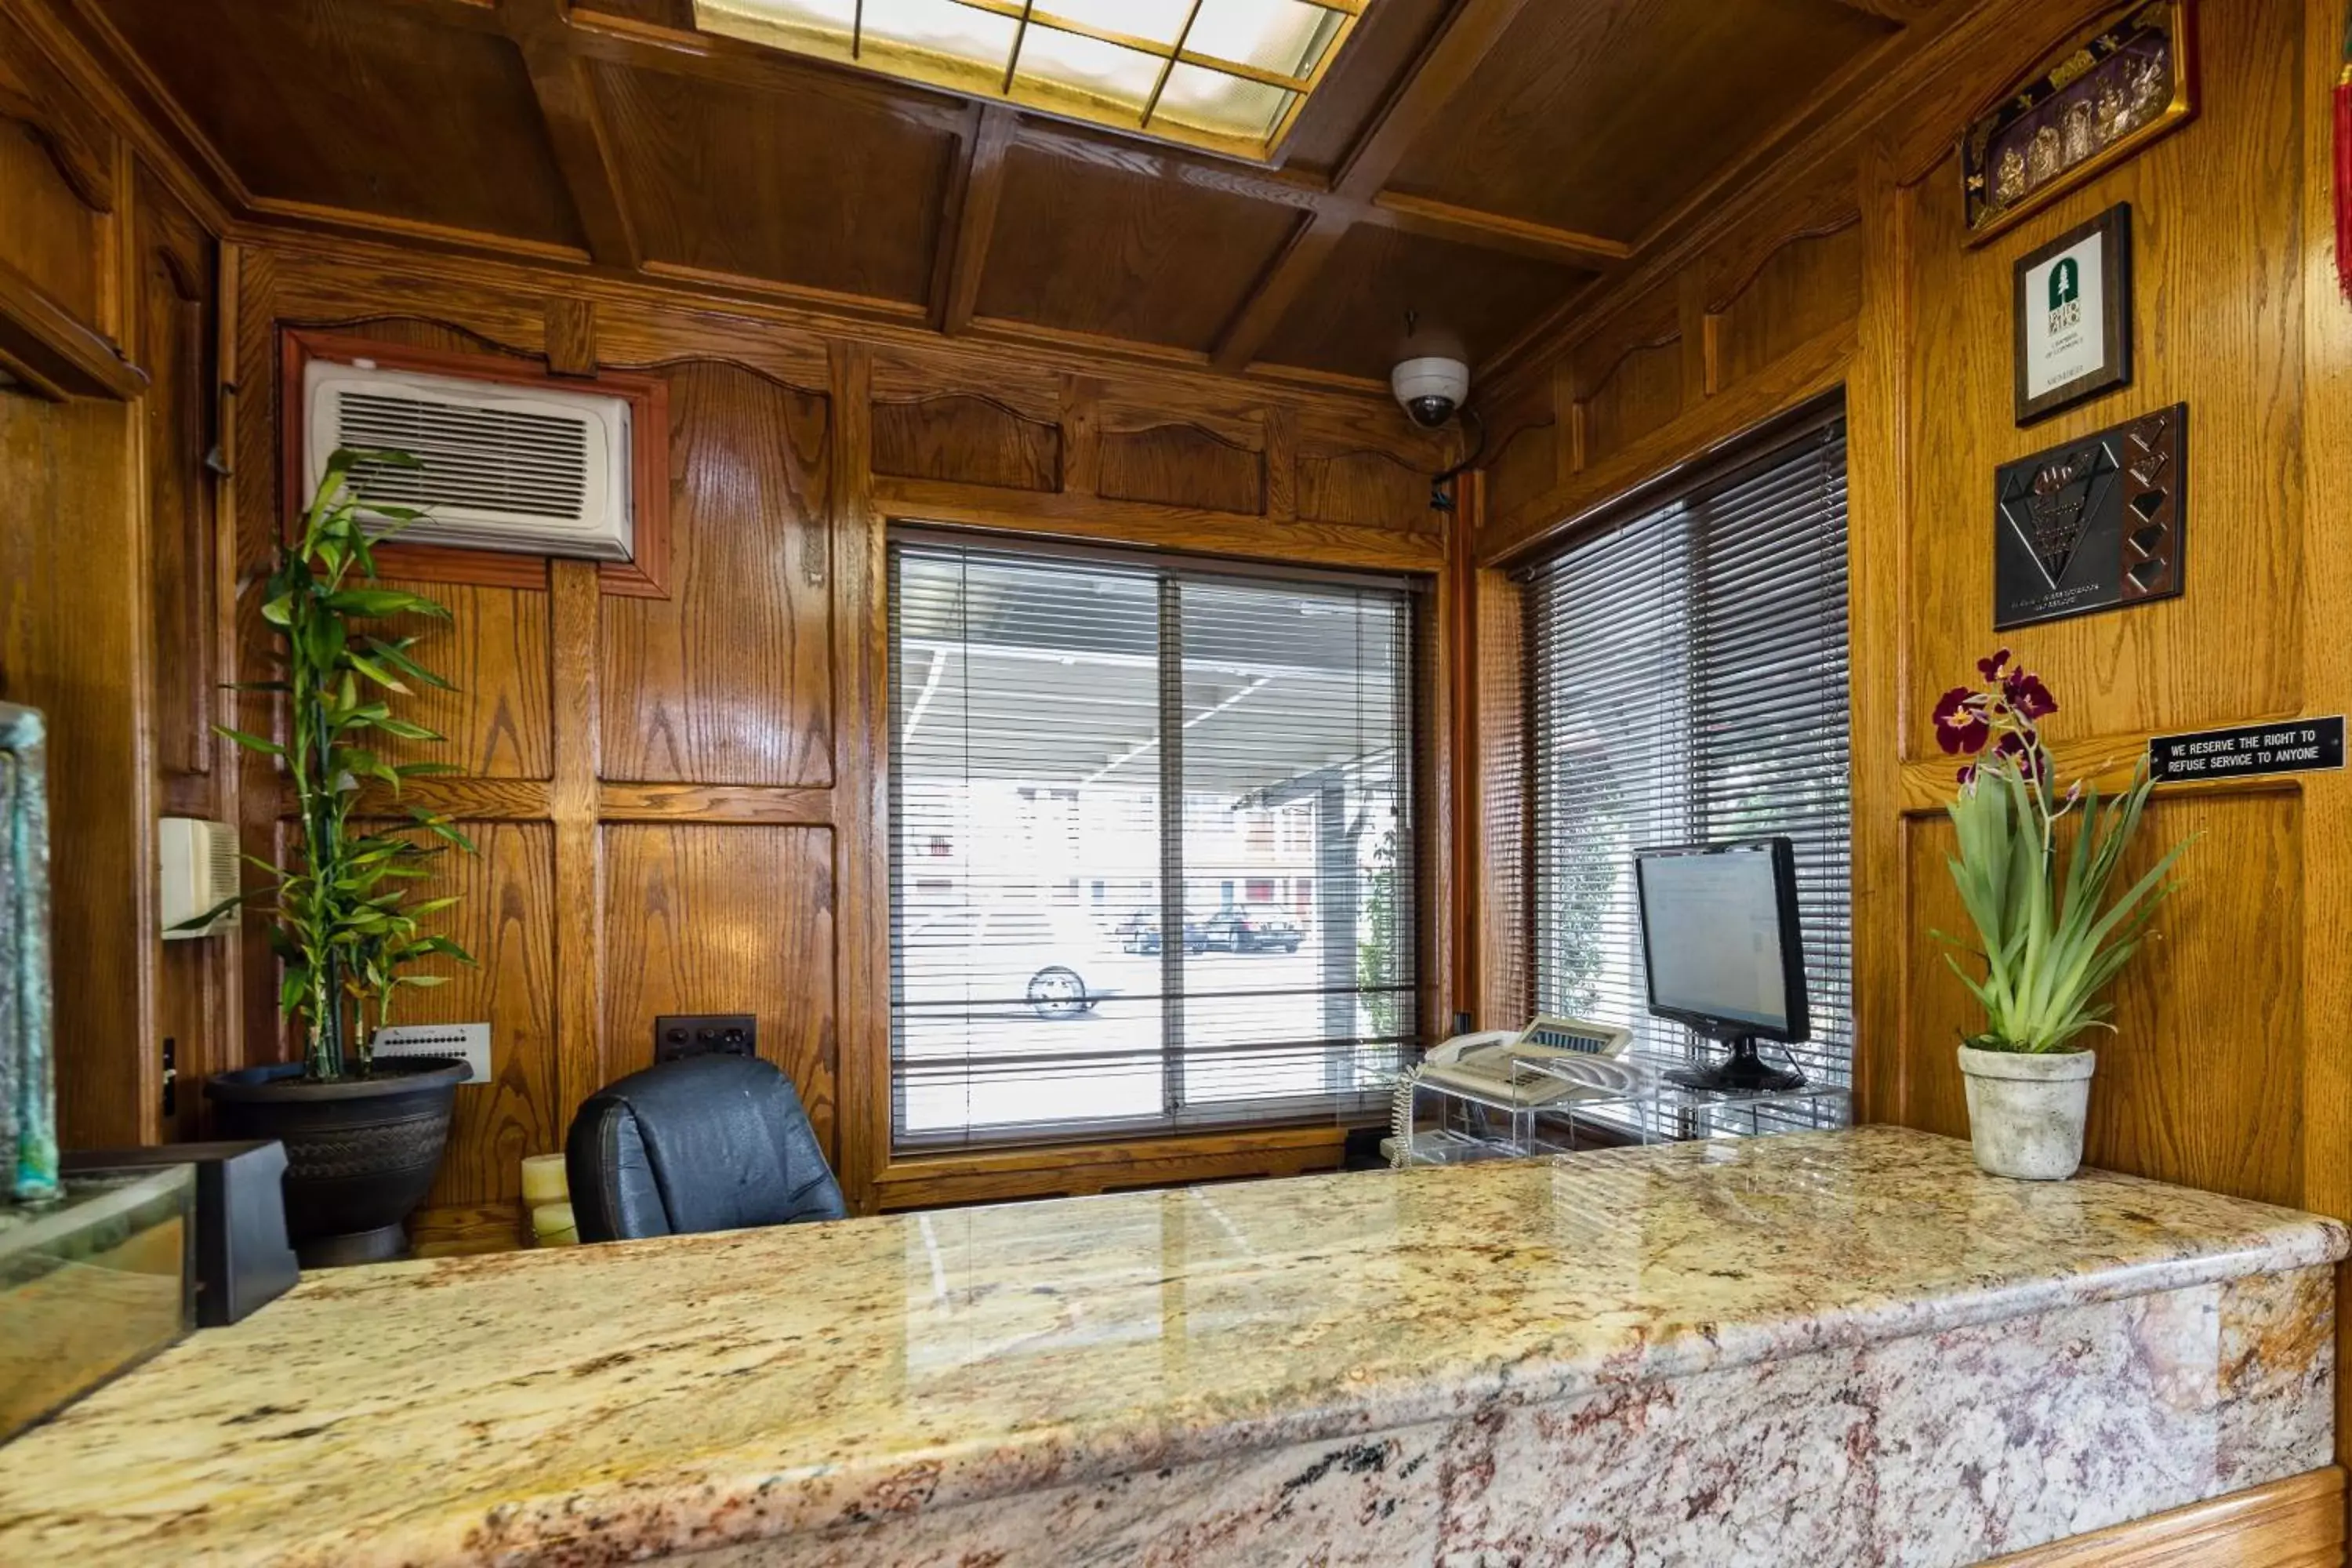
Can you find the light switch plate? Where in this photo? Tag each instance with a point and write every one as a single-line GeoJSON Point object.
{"type": "Point", "coordinates": [471, 1041]}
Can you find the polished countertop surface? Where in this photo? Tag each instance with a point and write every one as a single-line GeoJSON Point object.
{"type": "Point", "coordinates": [598, 1404]}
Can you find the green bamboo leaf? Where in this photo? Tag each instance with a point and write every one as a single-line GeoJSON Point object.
{"type": "Point", "coordinates": [395, 654]}
{"type": "Point", "coordinates": [250, 742]}
{"type": "Point", "coordinates": [383, 602]}
{"type": "Point", "coordinates": [376, 673]}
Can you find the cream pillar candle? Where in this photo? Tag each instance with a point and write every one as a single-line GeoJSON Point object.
{"type": "Point", "coordinates": [543, 1181]}
{"type": "Point", "coordinates": [551, 1225]}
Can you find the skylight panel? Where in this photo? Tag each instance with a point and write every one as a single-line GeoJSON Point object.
{"type": "Point", "coordinates": [1055, 61]}
{"type": "Point", "coordinates": [1222, 105]}
{"type": "Point", "coordinates": [1285, 36]}
{"type": "Point", "coordinates": [1228, 75]}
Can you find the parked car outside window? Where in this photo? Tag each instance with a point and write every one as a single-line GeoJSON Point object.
{"type": "Point", "coordinates": [1251, 929]}
{"type": "Point", "coordinates": [1054, 963]}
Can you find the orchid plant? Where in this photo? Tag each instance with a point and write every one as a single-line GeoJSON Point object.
{"type": "Point", "coordinates": [2051, 940]}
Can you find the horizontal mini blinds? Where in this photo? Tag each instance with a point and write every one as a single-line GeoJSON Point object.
{"type": "Point", "coordinates": [1687, 675]}
{"type": "Point", "coordinates": [1152, 852]}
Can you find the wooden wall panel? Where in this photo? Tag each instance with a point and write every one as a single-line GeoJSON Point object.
{"type": "Point", "coordinates": [51, 236]}
{"type": "Point", "coordinates": [507, 894]}
{"type": "Point", "coordinates": [729, 679]}
{"type": "Point", "coordinates": [1363, 487]}
{"type": "Point", "coordinates": [676, 787]}
{"type": "Point", "coordinates": [1636, 393]}
{"type": "Point", "coordinates": [76, 619]}
{"type": "Point", "coordinates": [2193, 1084]}
{"type": "Point", "coordinates": [174, 273]}
{"type": "Point", "coordinates": [967, 438]}
{"type": "Point", "coordinates": [1807, 287]}
{"type": "Point", "coordinates": [178, 285]}
{"type": "Point", "coordinates": [494, 649]}
{"type": "Point", "coordinates": [2220, 311]}
{"type": "Point", "coordinates": [1525, 462]}
{"type": "Point", "coordinates": [57, 178]}
{"type": "Point", "coordinates": [1183, 465]}
{"type": "Point", "coordinates": [70, 642]}
{"type": "Point", "coordinates": [702, 919]}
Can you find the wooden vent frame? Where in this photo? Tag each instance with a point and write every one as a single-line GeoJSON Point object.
{"type": "Point", "coordinates": [645, 577]}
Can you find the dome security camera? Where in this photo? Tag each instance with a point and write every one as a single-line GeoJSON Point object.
{"type": "Point", "coordinates": [1430, 389]}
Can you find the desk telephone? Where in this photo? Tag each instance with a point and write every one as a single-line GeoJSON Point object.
{"type": "Point", "coordinates": [1552, 1062]}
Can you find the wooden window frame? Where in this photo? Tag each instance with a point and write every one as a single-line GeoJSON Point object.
{"type": "Point", "coordinates": [645, 576]}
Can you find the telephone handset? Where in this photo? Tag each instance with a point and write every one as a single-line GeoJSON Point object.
{"type": "Point", "coordinates": [1551, 1061]}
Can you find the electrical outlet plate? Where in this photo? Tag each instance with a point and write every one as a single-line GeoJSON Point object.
{"type": "Point", "coordinates": [471, 1041]}
{"type": "Point", "coordinates": [680, 1035]}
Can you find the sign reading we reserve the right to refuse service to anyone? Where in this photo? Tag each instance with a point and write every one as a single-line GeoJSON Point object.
{"type": "Point", "coordinates": [2287, 746]}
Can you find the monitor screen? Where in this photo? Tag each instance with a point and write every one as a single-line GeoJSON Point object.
{"type": "Point", "coordinates": [1719, 936]}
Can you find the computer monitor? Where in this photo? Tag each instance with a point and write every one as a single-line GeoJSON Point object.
{"type": "Point", "coordinates": [1720, 943]}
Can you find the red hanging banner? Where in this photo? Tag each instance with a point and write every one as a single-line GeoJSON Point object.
{"type": "Point", "coordinates": [2344, 166]}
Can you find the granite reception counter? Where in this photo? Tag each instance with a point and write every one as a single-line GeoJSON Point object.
{"type": "Point", "coordinates": [1831, 1348]}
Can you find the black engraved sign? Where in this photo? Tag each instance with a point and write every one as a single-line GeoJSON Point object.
{"type": "Point", "coordinates": [2288, 746]}
{"type": "Point", "coordinates": [2093, 524]}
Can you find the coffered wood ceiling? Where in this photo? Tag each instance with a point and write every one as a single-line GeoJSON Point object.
{"type": "Point", "coordinates": [1480, 163]}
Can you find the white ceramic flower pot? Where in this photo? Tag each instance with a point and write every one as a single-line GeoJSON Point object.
{"type": "Point", "coordinates": [2026, 1111]}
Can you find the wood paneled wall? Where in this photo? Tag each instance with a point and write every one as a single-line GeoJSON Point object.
{"type": "Point", "coordinates": [680, 800]}
{"type": "Point", "coordinates": [2228, 1070]}
{"type": "Point", "coordinates": [109, 302]}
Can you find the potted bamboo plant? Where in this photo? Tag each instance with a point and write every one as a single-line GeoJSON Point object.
{"type": "Point", "coordinates": [363, 1136]}
{"type": "Point", "coordinates": [2049, 938]}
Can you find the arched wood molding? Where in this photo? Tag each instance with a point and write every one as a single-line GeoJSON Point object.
{"type": "Point", "coordinates": [356, 325]}
{"type": "Point", "coordinates": [76, 140]}
{"type": "Point", "coordinates": [1178, 462]}
{"type": "Point", "coordinates": [185, 282]}
{"type": "Point", "coordinates": [966, 436]}
{"type": "Point", "coordinates": [729, 361]}
{"type": "Point", "coordinates": [1188, 428]}
{"type": "Point", "coordinates": [1670, 338]}
{"type": "Point", "coordinates": [1502, 454]}
{"type": "Point", "coordinates": [1728, 296]}
{"type": "Point", "coordinates": [1332, 480]}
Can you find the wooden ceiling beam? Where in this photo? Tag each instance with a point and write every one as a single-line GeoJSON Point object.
{"type": "Point", "coordinates": [1902, 13]}
{"type": "Point", "coordinates": [620, 40]}
{"type": "Point", "coordinates": [968, 220]}
{"type": "Point", "coordinates": [1310, 246]}
{"type": "Point", "coordinates": [576, 129]}
{"type": "Point", "coordinates": [1441, 71]}
{"type": "Point", "coordinates": [1492, 231]}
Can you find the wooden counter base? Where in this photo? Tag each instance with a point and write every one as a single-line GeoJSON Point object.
{"type": "Point", "coordinates": [2295, 1523]}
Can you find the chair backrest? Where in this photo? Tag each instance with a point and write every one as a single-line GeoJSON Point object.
{"type": "Point", "coordinates": [712, 1142]}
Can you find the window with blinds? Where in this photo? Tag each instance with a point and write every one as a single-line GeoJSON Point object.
{"type": "Point", "coordinates": [1152, 847]}
{"type": "Point", "coordinates": [1687, 675]}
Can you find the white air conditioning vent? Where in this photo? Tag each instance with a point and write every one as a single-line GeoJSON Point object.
{"type": "Point", "coordinates": [540, 472]}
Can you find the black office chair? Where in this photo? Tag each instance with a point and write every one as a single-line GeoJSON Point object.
{"type": "Point", "coordinates": [713, 1143]}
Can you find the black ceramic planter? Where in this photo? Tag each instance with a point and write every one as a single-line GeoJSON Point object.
{"type": "Point", "coordinates": [359, 1154]}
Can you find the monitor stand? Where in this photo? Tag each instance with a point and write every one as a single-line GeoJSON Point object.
{"type": "Point", "coordinates": [1743, 1071]}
